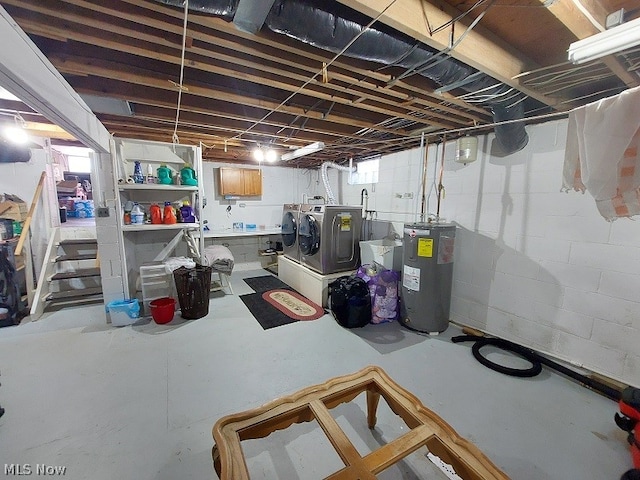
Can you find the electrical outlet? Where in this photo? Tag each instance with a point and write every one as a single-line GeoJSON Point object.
{"type": "Point", "coordinates": [102, 212]}
{"type": "Point", "coordinates": [408, 195]}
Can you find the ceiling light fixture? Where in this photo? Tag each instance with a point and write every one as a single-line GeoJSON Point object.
{"type": "Point", "coordinates": [258, 154]}
{"type": "Point", "coordinates": [302, 151]}
{"type": "Point", "coordinates": [605, 43]}
{"type": "Point", "coordinates": [261, 154]}
{"type": "Point", "coordinates": [16, 133]}
{"type": "Point", "coordinates": [270, 155]}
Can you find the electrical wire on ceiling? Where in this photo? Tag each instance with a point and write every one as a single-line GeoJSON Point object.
{"type": "Point", "coordinates": [316, 75]}
{"type": "Point", "coordinates": [180, 86]}
{"type": "Point", "coordinates": [443, 55]}
{"type": "Point", "coordinates": [588, 16]}
{"type": "Point", "coordinates": [454, 20]}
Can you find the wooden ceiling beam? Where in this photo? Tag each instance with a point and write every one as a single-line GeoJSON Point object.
{"type": "Point", "coordinates": [374, 104]}
{"type": "Point", "coordinates": [371, 98]}
{"type": "Point", "coordinates": [212, 109]}
{"type": "Point", "coordinates": [480, 49]}
{"type": "Point", "coordinates": [281, 49]}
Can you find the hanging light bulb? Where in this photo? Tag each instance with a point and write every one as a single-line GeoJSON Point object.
{"type": "Point", "coordinates": [271, 155]}
{"type": "Point", "coordinates": [15, 133]}
{"type": "Point", "coordinates": [258, 154]}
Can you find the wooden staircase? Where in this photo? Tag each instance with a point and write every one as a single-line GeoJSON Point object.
{"type": "Point", "coordinates": [70, 273]}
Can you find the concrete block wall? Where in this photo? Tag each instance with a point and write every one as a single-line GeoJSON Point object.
{"type": "Point", "coordinates": [533, 264]}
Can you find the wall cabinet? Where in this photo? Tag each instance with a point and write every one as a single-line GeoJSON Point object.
{"type": "Point", "coordinates": [146, 242]}
{"type": "Point", "coordinates": [240, 181]}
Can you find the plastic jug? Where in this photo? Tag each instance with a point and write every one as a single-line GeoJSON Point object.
{"type": "Point", "coordinates": [164, 175]}
{"type": "Point", "coordinates": [137, 215]}
{"type": "Point", "coordinates": [188, 176]}
{"type": "Point", "coordinates": [187, 213]}
{"type": "Point", "coordinates": [169, 214]}
{"type": "Point", "coordinates": [155, 212]}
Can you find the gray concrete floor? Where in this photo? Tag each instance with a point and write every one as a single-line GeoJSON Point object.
{"type": "Point", "coordinates": [139, 402]}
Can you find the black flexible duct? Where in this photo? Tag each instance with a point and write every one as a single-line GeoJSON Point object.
{"type": "Point", "coordinates": [330, 26]}
{"type": "Point", "coordinates": [534, 358]}
{"type": "Point", "coordinates": [220, 8]}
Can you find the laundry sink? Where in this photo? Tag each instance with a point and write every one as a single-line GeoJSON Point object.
{"type": "Point", "coordinates": [385, 251]}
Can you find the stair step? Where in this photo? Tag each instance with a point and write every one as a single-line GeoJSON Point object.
{"type": "Point", "coordinates": [83, 256]}
{"type": "Point", "coordinates": [80, 273]}
{"type": "Point", "coordinates": [70, 294]}
{"type": "Point", "coordinates": [79, 241]}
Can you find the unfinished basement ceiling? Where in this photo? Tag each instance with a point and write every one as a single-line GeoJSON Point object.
{"type": "Point", "coordinates": [243, 89]}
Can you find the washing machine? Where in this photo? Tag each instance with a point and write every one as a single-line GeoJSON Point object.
{"type": "Point", "coordinates": [329, 237]}
{"type": "Point", "coordinates": [289, 231]}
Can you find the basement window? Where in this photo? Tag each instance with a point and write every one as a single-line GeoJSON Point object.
{"type": "Point", "coordinates": [79, 164]}
{"type": "Point", "coordinates": [367, 172]}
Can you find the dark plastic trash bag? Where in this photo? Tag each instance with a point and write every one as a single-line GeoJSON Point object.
{"type": "Point", "coordinates": [193, 286]}
{"type": "Point", "coordinates": [350, 301]}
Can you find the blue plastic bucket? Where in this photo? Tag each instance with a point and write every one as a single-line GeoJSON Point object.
{"type": "Point", "coordinates": [123, 312]}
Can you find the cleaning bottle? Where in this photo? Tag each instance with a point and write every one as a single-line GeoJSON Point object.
{"type": "Point", "coordinates": [138, 177]}
{"type": "Point", "coordinates": [155, 212]}
{"type": "Point", "coordinates": [187, 213]}
{"type": "Point", "coordinates": [137, 215]}
{"type": "Point", "coordinates": [169, 214]}
{"type": "Point", "coordinates": [164, 175]}
{"type": "Point", "coordinates": [188, 176]}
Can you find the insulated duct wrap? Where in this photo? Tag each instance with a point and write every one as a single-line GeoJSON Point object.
{"type": "Point", "coordinates": [325, 25]}
{"type": "Point", "coordinates": [312, 22]}
{"type": "Point", "coordinates": [220, 8]}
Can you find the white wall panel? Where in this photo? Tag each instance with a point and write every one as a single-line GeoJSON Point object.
{"type": "Point", "coordinates": [533, 264]}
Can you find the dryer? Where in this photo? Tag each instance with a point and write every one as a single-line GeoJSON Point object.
{"type": "Point", "coordinates": [329, 237]}
{"type": "Point", "coordinates": [289, 231]}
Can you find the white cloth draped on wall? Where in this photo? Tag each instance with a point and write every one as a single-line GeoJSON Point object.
{"type": "Point", "coordinates": [603, 153]}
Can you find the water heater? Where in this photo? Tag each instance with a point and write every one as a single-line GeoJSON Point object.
{"type": "Point", "coordinates": [427, 276]}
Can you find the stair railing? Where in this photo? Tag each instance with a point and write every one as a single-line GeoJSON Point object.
{"type": "Point", "coordinates": [48, 266]}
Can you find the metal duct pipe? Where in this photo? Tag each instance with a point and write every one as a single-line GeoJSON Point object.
{"type": "Point", "coordinates": [250, 14]}
{"type": "Point", "coordinates": [325, 25]}
{"type": "Point", "coordinates": [310, 21]}
{"type": "Point", "coordinates": [220, 8]}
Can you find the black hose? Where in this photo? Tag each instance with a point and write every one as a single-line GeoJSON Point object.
{"type": "Point", "coordinates": [532, 357]}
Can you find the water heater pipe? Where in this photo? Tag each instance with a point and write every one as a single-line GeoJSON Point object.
{"type": "Point", "coordinates": [423, 197]}
{"type": "Point", "coordinates": [325, 178]}
{"type": "Point", "coordinates": [440, 186]}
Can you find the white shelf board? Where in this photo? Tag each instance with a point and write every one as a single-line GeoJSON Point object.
{"type": "Point", "coordinates": [158, 187]}
{"type": "Point", "coordinates": [147, 227]}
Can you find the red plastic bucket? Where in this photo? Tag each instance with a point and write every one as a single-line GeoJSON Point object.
{"type": "Point", "coordinates": [162, 309]}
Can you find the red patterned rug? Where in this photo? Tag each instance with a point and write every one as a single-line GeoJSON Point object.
{"type": "Point", "coordinates": [293, 305]}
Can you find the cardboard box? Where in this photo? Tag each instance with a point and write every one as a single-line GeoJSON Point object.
{"type": "Point", "coordinates": [14, 208]}
{"type": "Point", "coordinates": [67, 186]}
